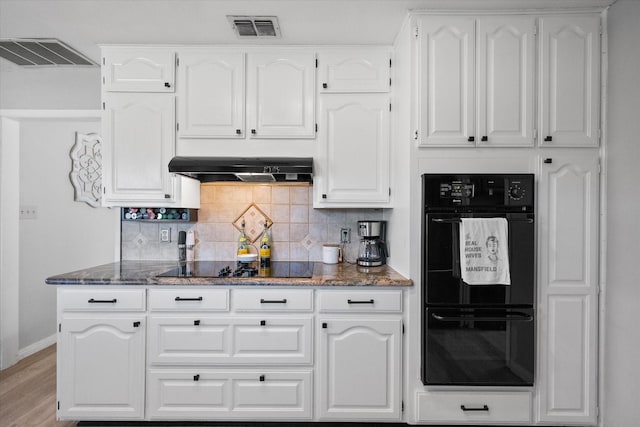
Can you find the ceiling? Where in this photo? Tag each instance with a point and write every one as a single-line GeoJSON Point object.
{"type": "Point", "coordinates": [85, 24]}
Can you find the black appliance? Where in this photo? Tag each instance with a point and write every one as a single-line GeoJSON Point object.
{"type": "Point", "coordinates": [277, 269]}
{"type": "Point", "coordinates": [249, 169]}
{"type": "Point", "coordinates": [477, 335]}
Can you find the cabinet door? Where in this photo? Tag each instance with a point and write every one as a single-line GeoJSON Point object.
{"type": "Point", "coordinates": [138, 70]}
{"type": "Point", "coordinates": [570, 80]}
{"type": "Point", "coordinates": [446, 81]}
{"type": "Point", "coordinates": [354, 71]}
{"type": "Point", "coordinates": [568, 312]}
{"type": "Point", "coordinates": [353, 154]}
{"type": "Point", "coordinates": [211, 95]}
{"type": "Point", "coordinates": [359, 369]}
{"type": "Point", "coordinates": [138, 130]}
{"type": "Point", "coordinates": [505, 65]}
{"type": "Point", "coordinates": [281, 94]}
{"type": "Point", "coordinates": [101, 365]}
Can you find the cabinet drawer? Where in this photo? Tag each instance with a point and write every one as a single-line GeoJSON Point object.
{"type": "Point", "coordinates": [475, 408]}
{"type": "Point", "coordinates": [273, 299]}
{"type": "Point", "coordinates": [360, 301]}
{"type": "Point", "coordinates": [197, 340]}
{"type": "Point", "coordinates": [101, 299]}
{"type": "Point", "coordinates": [181, 299]}
{"type": "Point", "coordinates": [198, 394]}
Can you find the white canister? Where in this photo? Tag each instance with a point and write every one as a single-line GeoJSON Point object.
{"type": "Point", "coordinates": [330, 253]}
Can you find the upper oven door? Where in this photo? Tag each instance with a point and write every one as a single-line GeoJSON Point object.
{"type": "Point", "coordinates": [441, 263]}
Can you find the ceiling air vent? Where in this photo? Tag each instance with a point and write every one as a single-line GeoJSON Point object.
{"type": "Point", "coordinates": [42, 53]}
{"type": "Point", "coordinates": [255, 26]}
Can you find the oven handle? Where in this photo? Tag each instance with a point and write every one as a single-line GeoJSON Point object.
{"type": "Point", "coordinates": [517, 316]}
{"type": "Point", "coordinates": [458, 221]}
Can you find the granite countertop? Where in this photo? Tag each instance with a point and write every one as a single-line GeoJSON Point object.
{"type": "Point", "coordinates": [147, 272]}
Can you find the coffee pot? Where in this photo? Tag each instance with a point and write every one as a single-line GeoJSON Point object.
{"type": "Point", "coordinates": [373, 248]}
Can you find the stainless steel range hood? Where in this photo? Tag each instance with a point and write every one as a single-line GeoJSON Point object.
{"type": "Point", "coordinates": [264, 169]}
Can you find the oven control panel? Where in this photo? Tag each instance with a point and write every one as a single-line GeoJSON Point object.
{"type": "Point", "coordinates": [456, 190]}
{"type": "Point", "coordinates": [515, 190]}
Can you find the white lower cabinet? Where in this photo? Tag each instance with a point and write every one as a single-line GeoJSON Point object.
{"type": "Point", "coordinates": [217, 360]}
{"type": "Point", "coordinates": [206, 394]}
{"type": "Point", "coordinates": [568, 289]}
{"type": "Point", "coordinates": [101, 353]}
{"type": "Point", "coordinates": [359, 357]}
{"type": "Point", "coordinates": [209, 354]}
{"type": "Point", "coordinates": [474, 407]}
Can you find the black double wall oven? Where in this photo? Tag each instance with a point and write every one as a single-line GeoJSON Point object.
{"type": "Point", "coordinates": [477, 334]}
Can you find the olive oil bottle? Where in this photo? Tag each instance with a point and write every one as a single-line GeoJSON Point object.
{"type": "Point", "coordinates": [265, 247]}
{"type": "Point", "coordinates": [243, 242]}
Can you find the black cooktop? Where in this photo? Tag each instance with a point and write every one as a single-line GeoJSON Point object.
{"type": "Point", "coordinates": [283, 269]}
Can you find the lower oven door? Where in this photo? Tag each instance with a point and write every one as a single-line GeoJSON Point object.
{"type": "Point", "coordinates": [479, 346]}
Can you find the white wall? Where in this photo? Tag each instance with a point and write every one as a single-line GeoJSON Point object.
{"type": "Point", "coordinates": [49, 88]}
{"type": "Point", "coordinates": [66, 235]}
{"type": "Point", "coordinates": [622, 346]}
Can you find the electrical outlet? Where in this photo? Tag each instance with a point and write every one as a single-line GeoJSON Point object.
{"type": "Point", "coordinates": [28, 212]}
{"type": "Point", "coordinates": [165, 235]}
{"type": "Point", "coordinates": [345, 235]}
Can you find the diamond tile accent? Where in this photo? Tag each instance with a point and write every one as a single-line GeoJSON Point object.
{"type": "Point", "coordinates": [308, 242]}
{"type": "Point", "coordinates": [140, 240]}
{"type": "Point", "coordinates": [254, 220]}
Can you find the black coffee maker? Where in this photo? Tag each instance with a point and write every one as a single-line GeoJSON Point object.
{"type": "Point", "coordinates": [373, 248]}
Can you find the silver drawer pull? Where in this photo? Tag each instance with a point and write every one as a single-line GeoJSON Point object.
{"type": "Point", "coordinates": [483, 408]}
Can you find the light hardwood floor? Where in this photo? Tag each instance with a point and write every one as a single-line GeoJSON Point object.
{"type": "Point", "coordinates": [28, 392]}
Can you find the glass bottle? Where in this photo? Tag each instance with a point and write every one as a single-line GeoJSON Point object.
{"type": "Point", "coordinates": [243, 242]}
{"type": "Point", "coordinates": [265, 247]}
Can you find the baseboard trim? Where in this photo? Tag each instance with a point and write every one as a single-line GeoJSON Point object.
{"type": "Point", "coordinates": [36, 347]}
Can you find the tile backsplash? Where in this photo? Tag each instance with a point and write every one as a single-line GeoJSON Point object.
{"type": "Point", "coordinates": [298, 230]}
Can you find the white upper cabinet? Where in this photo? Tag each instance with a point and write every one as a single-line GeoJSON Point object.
{"type": "Point", "coordinates": [281, 94]}
{"type": "Point", "coordinates": [476, 81]}
{"type": "Point", "coordinates": [358, 70]}
{"type": "Point", "coordinates": [446, 47]}
{"type": "Point", "coordinates": [570, 80]}
{"type": "Point", "coordinates": [139, 131]}
{"type": "Point", "coordinates": [211, 94]}
{"type": "Point", "coordinates": [353, 151]}
{"type": "Point", "coordinates": [505, 69]}
{"type": "Point", "coordinates": [138, 70]}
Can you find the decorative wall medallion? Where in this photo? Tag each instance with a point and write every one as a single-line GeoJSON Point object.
{"type": "Point", "coordinates": [254, 220]}
{"type": "Point", "coordinates": [86, 168]}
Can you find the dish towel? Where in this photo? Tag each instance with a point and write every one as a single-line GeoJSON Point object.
{"type": "Point", "coordinates": [484, 253]}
